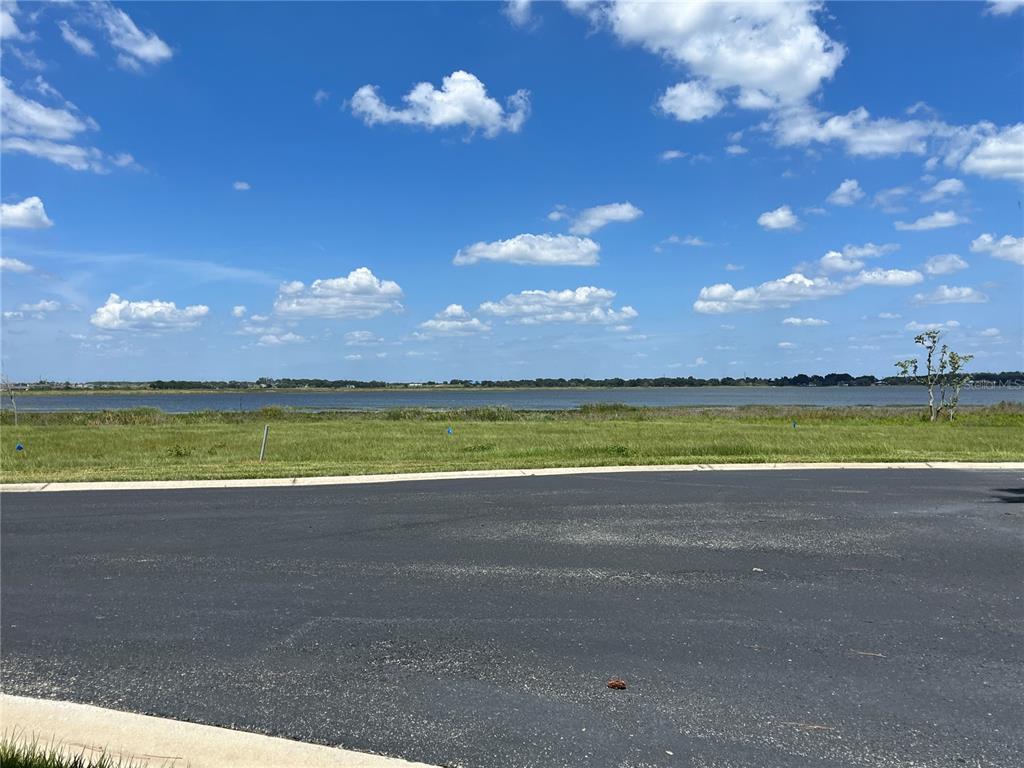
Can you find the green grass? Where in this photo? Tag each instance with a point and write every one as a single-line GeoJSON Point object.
{"type": "Point", "coordinates": [147, 444]}
{"type": "Point", "coordinates": [14, 753]}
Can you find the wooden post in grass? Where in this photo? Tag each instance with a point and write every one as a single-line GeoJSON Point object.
{"type": "Point", "coordinates": [263, 445]}
{"type": "Point", "coordinates": [5, 384]}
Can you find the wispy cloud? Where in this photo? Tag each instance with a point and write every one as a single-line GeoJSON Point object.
{"type": "Point", "coordinates": [937, 220]}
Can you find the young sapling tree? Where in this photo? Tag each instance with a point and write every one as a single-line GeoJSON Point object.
{"type": "Point", "coordinates": [944, 374]}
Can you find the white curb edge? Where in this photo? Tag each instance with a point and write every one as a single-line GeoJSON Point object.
{"type": "Point", "coordinates": [164, 743]}
{"type": "Point", "coordinates": [280, 482]}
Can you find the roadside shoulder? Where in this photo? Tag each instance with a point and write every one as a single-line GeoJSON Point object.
{"type": "Point", "coordinates": [283, 482]}
{"type": "Point", "coordinates": [157, 741]}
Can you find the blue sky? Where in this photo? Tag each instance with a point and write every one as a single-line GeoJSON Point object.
{"type": "Point", "coordinates": [484, 190]}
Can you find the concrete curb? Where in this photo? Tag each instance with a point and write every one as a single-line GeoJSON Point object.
{"type": "Point", "coordinates": [285, 482]}
{"type": "Point", "coordinates": [162, 743]}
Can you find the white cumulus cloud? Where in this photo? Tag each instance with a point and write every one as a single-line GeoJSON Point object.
{"type": "Point", "coordinates": [239, 311]}
{"type": "Point", "coordinates": [280, 339]}
{"type": "Point", "coordinates": [361, 295]}
{"type": "Point", "coordinates": [454, 320]}
{"type": "Point", "coordinates": [558, 213]}
{"type": "Point", "coordinates": [691, 101]}
{"type": "Point", "coordinates": [7, 264]}
{"type": "Point", "coordinates": [886, 277]}
{"type": "Point", "coordinates": [937, 220]}
{"type": "Point", "coordinates": [983, 148]}
{"type": "Point", "coordinates": [948, 325]}
{"type": "Point", "coordinates": [28, 214]}
{"type": "Point", "coordinates": [592, 219]}
{"type": "Point", "coordinates": [805, 321]}
{"type": "Point", "coordinates": [781, 218]}
{"type": "Point", "coordinates": [858, 132]}
{"type": "Point", "coordinates": [999, 156]}
{"type": "Point", "coordinates": [586, 304]}
{"type": "Point", "coordinates": [241, 186]}
{"type": "Point", "coordinates": [461, 100]}
{"type": "Point", "coordinates": [946, 294]}
{"type": "Point", "coordinates": [1008, 247]}
{"type": "Point", "coordinates": [942, 189]}
{"type": "Point", "coordinates": [796, 287]}
{"type": "Point", "coordinates": [944, 264]}
{"type": "Point", "coordinates": [122, 314]}
{"type": "Point", "coordinates": [847, 193]}
{"type": "Point", "coordinates": [793, 288]}
{"type": "Point", "coordinates": [834, 261]}
{"type": "Point", "coordinates": [544, 250]}
{"type": "Point", "coordinates": [768, 53]}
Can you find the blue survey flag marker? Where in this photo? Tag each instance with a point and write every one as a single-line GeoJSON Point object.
{"type": "Point", "coordinates": [19, 447]}
{"type": "Point", "coordinates": [451, 431]}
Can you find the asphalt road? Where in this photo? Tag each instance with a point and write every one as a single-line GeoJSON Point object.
{"type": "Point", "coordinates": [827, 618]}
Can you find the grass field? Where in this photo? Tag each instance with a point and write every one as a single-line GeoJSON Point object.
{"type": "Point", "coordinates": [148, 445]}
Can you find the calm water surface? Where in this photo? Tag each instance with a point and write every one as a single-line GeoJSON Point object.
{"type": "Point", "coordinates": [522, 399]}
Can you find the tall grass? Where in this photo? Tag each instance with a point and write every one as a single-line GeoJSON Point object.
{"type": "Point", "coordinates": [18, 753]}
{"type": "Point", "coordinates": [1003, 413]}
{"type": "Point", "coordinates": [148, 444]}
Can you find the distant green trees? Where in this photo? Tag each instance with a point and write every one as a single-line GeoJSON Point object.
{"type": "Point", "coordinates": [265, 383]}
{"type": "Point", "coordinates": [948, 370]}
{"type": "Point", "coordinates": [799, 380]}
{"type": "Point", "coordinates": [944, 373]}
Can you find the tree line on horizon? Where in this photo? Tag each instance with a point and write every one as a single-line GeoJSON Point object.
{"type": "Point", "coordinates": [1004, 378]}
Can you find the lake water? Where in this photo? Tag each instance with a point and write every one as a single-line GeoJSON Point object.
{"type": "Point", "coordinates": [520, 399]}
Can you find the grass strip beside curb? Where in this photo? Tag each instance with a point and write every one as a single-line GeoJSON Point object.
{"type": "Point", "coordinates": [150, 445]}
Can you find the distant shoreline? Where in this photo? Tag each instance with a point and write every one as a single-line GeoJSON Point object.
{"type": "Point", "coordinates": [355, 390]}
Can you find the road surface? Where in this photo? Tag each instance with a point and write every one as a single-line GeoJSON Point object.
{"type": "Point", "coordinates": [834, 618]}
